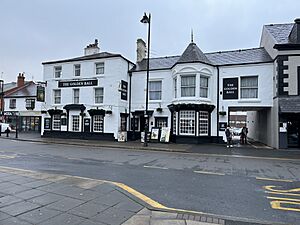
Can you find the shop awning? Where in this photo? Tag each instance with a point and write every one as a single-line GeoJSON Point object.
{"type": "Point", "coordinates": [142, 112]}
{"type": "Point", "coordinates": [55, 111]}
{"type": "Point", "coordinates": [289, 104]}
{"type": "Point", "coordinates": [94, 112]}
{"type": "Point", "coordinates": [191, 106]}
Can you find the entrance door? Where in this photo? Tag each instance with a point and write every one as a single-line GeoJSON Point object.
{"type": "Point", "coordinates": [293, 133]}
{"type": "Point", "coordinates": [87, 125]}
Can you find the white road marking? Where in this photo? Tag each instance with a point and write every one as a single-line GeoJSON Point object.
{"type": "Point", "coordinates": [209, 173]}
{"type": "Point", "coordinates": [7, 156]}
{"type": "Point", "coordinates": [156, 167]}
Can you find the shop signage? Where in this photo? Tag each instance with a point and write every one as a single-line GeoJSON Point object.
{"type": "Point", "coordinates": [230, 88]}
{"type": "Point", "coordinates": [124, 90]}
{"type": "Point", "coordinates": [40, 94]}
{"type": "Point", "coordinates": [81, 83]}
{"type": "Point", "coordinates": [222, 126]}
{"type": "Point", "coordinates": [11, 113]}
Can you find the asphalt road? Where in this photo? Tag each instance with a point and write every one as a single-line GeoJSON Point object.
{"type": "Point", "coordinates": [222, 185]}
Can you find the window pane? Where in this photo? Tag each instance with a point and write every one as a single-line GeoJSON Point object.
{"type": "Point", "coordinates": [99, 68]}
{"type": "Point", "coordinates": [99, 95]}
{"type": "Point", "coordinates": [187, 122]}
{"type": "Point", "coordinates": [57, 71]}
{"type": "Point", "coordinates": [155, 90]}
{"type": "Point", "coordinates": [188, 84]}
{"type": "Point", "coordinates": [75, 123]}
{"type": "Point", "coordinates": [175, 87]}
{"type": "Point", "coordinates": [98, 123]}
{"type": "Point", "coordinates": [75, 96]}
{"type": "Point", "coordinates": [56, 122]}
{"type": "Point", "coordinates": [57, 96]}
{"type": "Point", "coordinates": [203, 123]}
{"type": "Point", "coordinates": [249, 87]}
{"type": "Point", "coordinates": [77, 70]}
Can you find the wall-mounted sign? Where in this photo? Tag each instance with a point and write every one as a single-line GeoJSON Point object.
{"type": "Point", "coordinates": [230, 88]}
{"type": "Point", "coordinates": [124, 90]}
{"type": "Point", "coordinates": [11, 113]}
{"type": "Point", "coordinates": [40, 94]}
{"type": "Point", "coordinates": [81, 83]}
{"type": "Point", "coordinates": [222, 126]}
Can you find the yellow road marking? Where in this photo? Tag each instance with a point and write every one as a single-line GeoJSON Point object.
{"type": "Point", "coordinates": [277, 205]}
{"type": "Point", "coordinates": [284, 199]}
{"type": "Point", "coordinates": [209, 173]}
{"type": "Point", "coordinates": [271, 188]}
{"type": "Point", "coordinates": [280, 193]}
{"type": "Point", "coordinates": [272, 179]}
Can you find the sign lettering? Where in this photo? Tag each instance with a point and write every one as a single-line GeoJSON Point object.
{"type": "Point", "coordinates": [83, 83]}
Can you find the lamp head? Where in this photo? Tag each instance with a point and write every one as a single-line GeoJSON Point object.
{"type": "Point", "coordinates": [145, 19]}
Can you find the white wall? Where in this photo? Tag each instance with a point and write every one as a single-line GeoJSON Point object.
{"type": "Point", "coordinates": [115, 70]}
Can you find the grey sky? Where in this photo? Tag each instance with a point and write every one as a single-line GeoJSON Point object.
{"type": "Point", "coordinates": [33, 31]}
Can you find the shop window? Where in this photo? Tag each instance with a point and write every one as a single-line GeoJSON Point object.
{"type": "Point", "coordinates": [99, 92]}
{"type": "Point", "coordinates": [188, 86]}
{"type": "Point", "coordinates": [57, 96]}
{"type": "Point", "coordinates": [75, 123]}
{"type": "Point", "coordinates": [203, 87]}
{"type": "Point", "coordinates": [249, 87]}
{"type": "Point", "coordinates": [203, 123]}
{"type": "Point", "coordinates": [98, 123]}
{"type": "Point", "coordinates": [187, 122]}
{"type": "Point", "coordinates": [135, 123]}
{"type": "Point", "coordinates": [161, 121]}
{"type": "Point", "coordinates": [56, 122]}
{"type": "Point", "coordinates": [12, 103]}
{"type": "Point", "coordinates": [99, 68]}
{"type": "Point", "coordinates": [77, 70]}
{"type": "Point", "coordinates": [57, 71]}
{"type": "Point", "coordinates": [30, 104]}
{"type": "Point", "coordinates": [155, 90]}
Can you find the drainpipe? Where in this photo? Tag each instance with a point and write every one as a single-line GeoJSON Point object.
{"type": "Point", "coordinates": [218, 100]}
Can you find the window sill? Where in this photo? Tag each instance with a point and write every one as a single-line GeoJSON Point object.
{"type": "Point", "coordinates": [249, 100]}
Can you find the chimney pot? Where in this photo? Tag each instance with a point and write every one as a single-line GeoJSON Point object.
{"type": "Point", "coordinates": [92, 49]}
{"type": "Point", "coordinates": [20, 80]}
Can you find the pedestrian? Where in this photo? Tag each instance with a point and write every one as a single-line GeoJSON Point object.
{"type": "Point", "coordinates": [228, 134]}
{"type": "Point", "coordinates": [7, 131]}
{"type": "Point", "coordinates": [244, 133]}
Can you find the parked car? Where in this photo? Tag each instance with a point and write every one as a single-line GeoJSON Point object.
{"type": "Point", "coordinates": [4, 126]}
{"type": "Point", "coordinates": [236, 131]}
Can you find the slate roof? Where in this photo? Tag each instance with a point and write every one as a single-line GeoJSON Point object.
{"type": "Point", "coordinates": [193, 54]}
{"type": "Point", "coordinates": [28, 90]}
{"type": "Point", "coordinates": [236, 57]}
{"type": "Point", "coordinates": [243, 56]}
{"type": "Point", "coordinates": [289, 104]}
{"type": "Point", "coordinates": [100, 55]}
{"type": "Point", "coordinates": [280, 32]}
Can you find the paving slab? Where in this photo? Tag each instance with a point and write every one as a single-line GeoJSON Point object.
{"type": "Point", "coordinates": [111, 199]}
{"type": "Point", "coordinates": [14, 221]}
{"type": "Point", "coordinates": [88, 209]}
{"type": "Point", "coordinates": [112, 216]}
{"type": "Point", "coordinates": [128, 205]}
{"type": "Point", "coordinates": [30, 194]}
{"type": "Point", "coordinates": [14, 189]}
{"type": "Point", "coordinates": [45, 199]}
{"type": "Point", "coordinates": [65, 204]}
{"type": "Point", "coordinates": [3, 216]}
{"type": "Point", "coordinates": [18, 208]}
{"type": "Point", "coordinates": [39, 215]}
{"type": "Point", "coordinates": [37, 183]}
{"type": "Point", "coordinates": [8, 200]}
{"type": "Point", "coordinates": [64, 219]}
{"type": "Point", "coordinates": [6, 184]}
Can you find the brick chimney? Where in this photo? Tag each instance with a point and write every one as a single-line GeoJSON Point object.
{"type": "Point", "coordinates": [294, 36]}
{"type": "Point", "coordinates": [20, 80]}
{"type": "Point", "coordinates": [92, 49]}
{"type": "Point", "coordinates": [140, 50]}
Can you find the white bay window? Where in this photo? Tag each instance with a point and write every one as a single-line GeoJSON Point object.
{"type": "Point", "coordinates": [188, 86]}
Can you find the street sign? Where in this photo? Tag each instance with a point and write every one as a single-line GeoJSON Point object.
{"type": "Point", "coordinates": [230, 88]}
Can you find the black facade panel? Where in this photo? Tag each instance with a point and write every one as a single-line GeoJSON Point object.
{"type": "Point", "coordinates": [281, 75]}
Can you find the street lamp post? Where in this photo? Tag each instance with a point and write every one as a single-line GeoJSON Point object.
{"type": "Point", "coordinates": [2, 103]}
{"type": "Point", "coordinates": [147, 19]}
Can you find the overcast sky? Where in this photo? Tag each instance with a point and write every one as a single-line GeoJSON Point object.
{"type": "Point", "coordinates": [34, 31]}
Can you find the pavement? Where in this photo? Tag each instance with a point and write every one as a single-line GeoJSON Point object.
{"type": "Point", "coordinates": [33, 198]}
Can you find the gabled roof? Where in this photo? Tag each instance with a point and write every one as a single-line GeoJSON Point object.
{"type": "Point", "coordinates": [280, 32]}
{"type": "Point", "coordinates": [193, 54]}
{"type": "Point", "coordinates": [27, 90]}
{"type": "Point", "coordinates": [100, 55]}
{"type": "Point", "coordinates": [224, 58]}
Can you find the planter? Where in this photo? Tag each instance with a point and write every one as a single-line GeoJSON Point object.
{"type": "Point", "coordinates": [108, 112]}
{"type": "Point", "coordinates": [159, 110]}
{"type": "Point", "coordinates": [222, 113]}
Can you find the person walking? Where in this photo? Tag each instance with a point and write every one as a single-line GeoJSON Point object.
{"type": "Point", "coordinates": [244, 135]}
{"type": "Point", "coordinates": [228, 134]}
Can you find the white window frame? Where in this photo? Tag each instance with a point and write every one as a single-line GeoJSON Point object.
{"type": "Point", "coordinates": [206, 88]}
{"type": "Point", "coordinates": [57, 71]}
{"type": "Point", "coordinates": [98, 123]}
{"type": "Point", "coordinates": [77, 70]}
{"type": "Point", "coordinates": [187, 122]}
{"type": "Point", "coordinates": [248, 87]}
{"type": "Point", "coordinates": [99, 68]}
{"type": "Point", "coordinates": [76, 123]}
{"type": "Point", "coordinates": [175, 87]}
{"type": "Point", "coordinates": [76, 96]}
{"type": "Point", "coordinates": [190, 86]}
{"type": "Point", "coordinates": [30, 103]}
{"type": "Point", "coordinates": [203, 123]}
{"type": "Point", "coordinates": [155, 91]}
{"type": "Point", "coordinates": [98, 97]}
{"type": "Point", "coordinates": [56, 123]}
{"type": "Point", "coordinates": [57, 98]}
{"type": "Point", "coordinates": [174, 122]}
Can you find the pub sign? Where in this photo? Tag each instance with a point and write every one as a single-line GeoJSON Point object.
{"type": "Point", "coordinates": [230, 88]}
